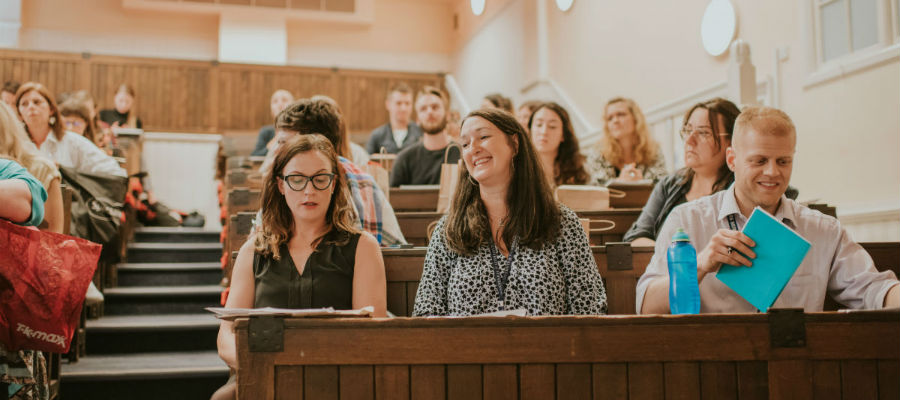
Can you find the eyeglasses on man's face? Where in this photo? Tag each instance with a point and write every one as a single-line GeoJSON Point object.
{"type": "Point", "coordinates": [297, 182]}
{"type": "Point", "coordinates": [703, 134]}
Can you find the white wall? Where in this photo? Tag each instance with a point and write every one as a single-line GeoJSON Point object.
{"type": "Point", "coordinates": [182, 167]}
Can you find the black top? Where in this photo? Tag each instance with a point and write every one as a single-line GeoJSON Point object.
{"type": "Point", "coordinates": [420, 166]}
{"type": "Point", "coordinates": [265, 136]}
{"type": "Point", "coordinates": [668, 193]}
{"type": "Point", "coordinates": [382, 136]}
{"type": "Point", "coordinates": [111, 116]}
{"type": "Point", "coordinates": [327, 279]}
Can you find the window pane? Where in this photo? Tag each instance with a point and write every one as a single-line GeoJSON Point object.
{"type": "Point", "coordinates": [864, 23]}
{"type": "Point", "coordinates": [835, 42]}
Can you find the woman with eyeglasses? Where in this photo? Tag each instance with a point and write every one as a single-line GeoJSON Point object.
{"type": "Point", "coordinates": [306, 254]}
{"type": "Point", "coordinates": [626, 151]}
{"type": "Point", "coordinates": [706, 134]}
{"type": "Point", "coordinates": [506, 244]}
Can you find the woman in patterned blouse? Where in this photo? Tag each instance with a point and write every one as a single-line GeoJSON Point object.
{"type": "Point", "coordinates": [506, 244]}
{"type": "Point", "coordinates": [626, 152]}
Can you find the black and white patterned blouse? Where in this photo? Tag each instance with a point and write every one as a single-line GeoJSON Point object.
{"type": "Point", "coordinates": [559, 279]}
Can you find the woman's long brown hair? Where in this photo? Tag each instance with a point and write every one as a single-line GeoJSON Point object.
{"type": "Point", "coordinates": [728, 112]}
{"type": "Point", "coordinates": [278, 220]}
{"type": "Point", "coordinates": [534, 216]}
{"type": "Point", "coordinates": [569, 163]}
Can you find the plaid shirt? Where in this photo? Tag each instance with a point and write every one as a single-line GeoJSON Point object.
{"type": "Point", "coordinates": [375, 215]}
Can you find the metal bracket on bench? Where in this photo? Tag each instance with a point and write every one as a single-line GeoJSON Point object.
{"type": "Point", "coordinates": [238, 177]}
{"type": "Point", "coordinates": [618, 256]}
{"type": "Point", "coordinates": [240, 197]}
{"type": "Point", "coordinates": [242, 223]}
{"type": "Point", "coordinates": [266, 334]}
{"type": "Point", "coordinates": [787, 327]}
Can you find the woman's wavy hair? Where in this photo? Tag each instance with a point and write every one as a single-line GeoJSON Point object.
{"type": "Point", "coordinates": [278, 220]}
{"type": "Point", "coordinates": [534, 217]}
{"type": "Point", "coordinates": [644, 151]}
{"type": "Point", "coordinates": [728, 112]}
{"type": "Point", "coordinates": [568, 167]}
{"type": "Point", "coordinates": [57, 126]}
{"type": "Point", "coordinates": [14, 142]}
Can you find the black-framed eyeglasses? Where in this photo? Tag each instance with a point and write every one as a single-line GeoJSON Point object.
{"type": "Point", "coordinates": [704, 135]}
{"type": "Point", "coordinates": [297, 182]}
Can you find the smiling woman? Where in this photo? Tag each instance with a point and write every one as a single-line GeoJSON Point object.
{"type": "Point", "coordinates": [506, 244]}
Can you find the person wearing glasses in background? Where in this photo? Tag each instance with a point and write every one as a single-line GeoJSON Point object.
{"type": "Point", "coordinates": [706, 134]}
{"type": "Point", "coordinates": [307, 253]}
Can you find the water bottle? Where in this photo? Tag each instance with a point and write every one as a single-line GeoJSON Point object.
{"type": "Point", "coordinates": [684, 291]}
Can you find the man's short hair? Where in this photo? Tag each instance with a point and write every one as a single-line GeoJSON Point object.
{"type": "Point", "coordinates": [431, 90]}
{"type": "Point", "coordinates": [400, 87]}
{"type": "Point", "coordinates": [10, 86]}
{"type": "Point", "coordinates": [763, 120]}
{"type": "Point", "coordinates": [307, 116]}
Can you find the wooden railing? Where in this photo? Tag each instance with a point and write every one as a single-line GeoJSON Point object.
{"type": "Point", "coordinates": [784, 354]}
{"type": "Point", "coordinates": [198, 96]}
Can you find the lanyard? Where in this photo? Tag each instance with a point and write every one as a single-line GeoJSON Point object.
{"type": "Point", "coordinates": [502, 277]}
{"type": "Point", "coordinates": [732, 223]}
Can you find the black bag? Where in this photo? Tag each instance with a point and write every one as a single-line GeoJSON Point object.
{"type": "Point", "coordinates": [97, 204]}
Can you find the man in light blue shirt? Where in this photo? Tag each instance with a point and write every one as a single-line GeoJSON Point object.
{"type": "Point", "coordinates": [761, 157]}
{"type": "Point", "coordinates": [21, 195]}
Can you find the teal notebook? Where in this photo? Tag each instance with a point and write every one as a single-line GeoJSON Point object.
{"type": "Point", "coordinates": [779, 251]}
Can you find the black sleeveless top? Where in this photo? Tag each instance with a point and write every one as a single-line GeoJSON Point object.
{"type": "Point", "coordinates": [327, 279]}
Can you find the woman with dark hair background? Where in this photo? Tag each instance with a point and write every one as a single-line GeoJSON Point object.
{"type": "Point", "coordinates": [556, 145]}
{"type": "Point", "coordinates": [506, 244]}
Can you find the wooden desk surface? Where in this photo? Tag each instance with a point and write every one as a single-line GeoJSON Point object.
{"type": "Point", "coordinates": [842, 355]}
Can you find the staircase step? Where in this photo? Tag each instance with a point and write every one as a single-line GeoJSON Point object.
{"type": "Point", "coordinates": [168, 274]}
{"type": "Point", "coordinates": [188, 375]}
{"type": "Point", "coordinates": [147, 300]}
{"type": "Point", "coordinates": [174, 252]}
{"type": "Point", "coordinates": [175, 235]}
{"type": "Point", "coordinates": [151, 333]}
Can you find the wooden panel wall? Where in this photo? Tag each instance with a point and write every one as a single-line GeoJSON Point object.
{"type": "Point", "coordinates": [197, 96]}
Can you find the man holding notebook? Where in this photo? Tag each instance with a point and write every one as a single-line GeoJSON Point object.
{"type": "Point", "coordinates": [761, 156]}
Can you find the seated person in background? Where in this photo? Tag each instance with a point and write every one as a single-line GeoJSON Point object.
{"type": "Point", "coordinates": [21, 194]}
{"type": "Point", "coordinates": [523, 114]}
{"type": "Point", "coordinates": [350, 150]}
{"type": "Point", "coordinates": [279, 101]}
{"type": "Point", "coordinates": [421, 163]}
{"type": "Point", "coordinates": [506, 244]}
{"type": "Point", "coordinates": [14, 145]}
{"type": "Point", "coordinates": [44, 125]}
{"type": "Point", "coordinates": [498, 101]}
{"type": "Point", "coordinates": [307, 253]}
{"type": "Point", "coordinates": [8, 93]}
{"type": "Point", "coordinates": [77, 119]}
{"type": "Point", "coordinates": [626, 150]}
{"type": "Point", "coordinates": [557, 146]}
{"type": "Point", "coordinates": [761, 156]}
{"type": "Point", "coordinates": [400, 132]}
{"type": "Point", "coordinates": [373, 213]}
{"type": "Point", "coordinates": [124, 114]}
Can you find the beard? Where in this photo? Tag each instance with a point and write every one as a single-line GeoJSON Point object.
{"type": "Point", "coordinates": [435, 128]}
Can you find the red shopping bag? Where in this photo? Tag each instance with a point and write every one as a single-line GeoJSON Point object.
{"type": "Point", "coordinates": [43, 279]}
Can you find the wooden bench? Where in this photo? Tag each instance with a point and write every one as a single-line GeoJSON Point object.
{"type": "Point", "coordinates": [414, 198]}
{"type": "Point", "coordinates": [620, 266]}
{"type": "Point", "coordinates": [242, 200]}
{"type": "Point", "coordinates": [414, 225]}
{"type": "Point", "coordinates": [784, 354]}
{"type": "Point", "coordinates": [243, 178]}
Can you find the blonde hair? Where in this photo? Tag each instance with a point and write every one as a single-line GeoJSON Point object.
{"type": "Point", "coordinates": [15, 145]}
{"type": "Point", "coordinates": [646, 147]}
{"type": "Point", "coordinates": [278, 220]}
{"type": "Point", "coordinates": [763, 120]}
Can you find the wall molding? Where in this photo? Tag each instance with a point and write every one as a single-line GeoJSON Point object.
{"type": "Point", "coordinates": [182, 137]}
{"type": "Point", "coordinates": [870, 214]}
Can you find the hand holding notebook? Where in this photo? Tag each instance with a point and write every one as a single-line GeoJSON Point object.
{"type": "Point", "coordinates": [779, 251]}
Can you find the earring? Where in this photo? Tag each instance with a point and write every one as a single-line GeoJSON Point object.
{"type": "Point", "coordinates": [52, 120]}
